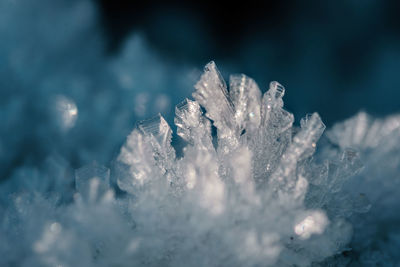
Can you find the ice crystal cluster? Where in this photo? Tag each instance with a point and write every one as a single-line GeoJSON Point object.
{"type": "Point", "coordinates": [249, 189]}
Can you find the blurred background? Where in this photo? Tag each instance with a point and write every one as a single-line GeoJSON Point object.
{"type": "Point", "coordinates": [334, 57]}
{"type": "Point", "coordinates": [75, 75]}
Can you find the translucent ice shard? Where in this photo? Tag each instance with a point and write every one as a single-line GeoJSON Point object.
{"type": "Point", "coordinates": [159, 134]}
{"type": "Point", "coordinates": [305, 141]}
{"type": "Point", "coordinates": [274, 134]}
{"type": "Point", "coordinates": [246, 98]}
{"type": "Point", "coordinates": [211, 92]}
{"type": "Point", "coordinates": [273, 117]}
{"type": "Point", "coordinates": [191, 125]}
{"type": "Point", "coordinates": [303, 145]}
{"type": "Point", "coordinates": [148, 154]}
{"type": "Point", "coordinates": [137, 154]}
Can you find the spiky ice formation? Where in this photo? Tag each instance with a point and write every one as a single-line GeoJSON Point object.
{"type": "Point", "coordinates": [256, 194]}
{"type": "Point", "coordinates": [240, 202]}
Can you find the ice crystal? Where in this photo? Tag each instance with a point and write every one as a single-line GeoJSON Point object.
{"type": "Point", "coordinates": [250, 188]}
{"type": "Point", "coordinates": [257, 196]}
{"type": "Point", "coordinates": [259, 192]}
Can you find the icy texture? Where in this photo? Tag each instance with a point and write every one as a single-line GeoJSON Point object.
{"type": "Point", "coordinates": [191, 125]}
{"type": "Point", "coordinates": [375, 189]}
{"type": "Point", "coordinates": [259, 193]}
{"type": "Point", "coordinates": [257, 197]}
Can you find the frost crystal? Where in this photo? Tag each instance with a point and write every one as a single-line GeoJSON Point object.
{"type": "Point", "coordinates": [256, 174]}
{"type": "Point", "coordinates": [262, 192]}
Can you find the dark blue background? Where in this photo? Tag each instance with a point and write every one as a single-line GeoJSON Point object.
{"type": "Point", "coordinates": [334, 57]}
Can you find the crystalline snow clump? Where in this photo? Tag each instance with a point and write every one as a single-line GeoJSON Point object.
{"type": "Point", "coordinates": [261, 192]}
{"type": "Point", "coordinates": [250, 187]}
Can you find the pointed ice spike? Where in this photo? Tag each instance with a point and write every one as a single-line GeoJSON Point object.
{"type": "Point", "coordinates": [92, 180]}
{"type": "Point", "coordinates": [158, 128]}
{"type": "Point", "coordinates": [212, 94]}
{"type": "Point", "coordinates": [246, 97]}
{"type": "Point", "coordinates": [272, 113]}
{"type": "Point", "coordinates": [273, 97]}
{"type": "Point", "coordinates": [159, 134]}
{"type": "Point", "coordinates": [191, 125]}
{"type": "Point", "coordinates": [274, 134]}
{"type": "Point", "coordinates": [303, 146]}
{"type": "Point", "coordinates": [137, 154]}
{"type": "Point", "coordinates": [312, 128]}
{"type": "Point", "coordinates": [277, 89]}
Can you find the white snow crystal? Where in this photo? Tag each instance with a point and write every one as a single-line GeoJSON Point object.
{"type": "Point", "coordinates": [262, 192]}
